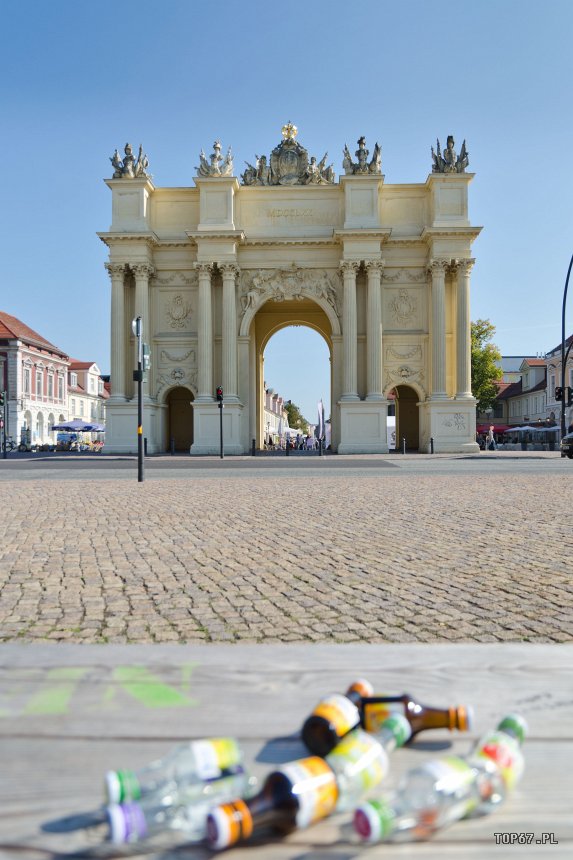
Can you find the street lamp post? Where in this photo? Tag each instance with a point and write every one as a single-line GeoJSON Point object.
{"type": "Point", "coordinates": [138, 377]}
{"type": "Point", "coordinates": [563, 355]}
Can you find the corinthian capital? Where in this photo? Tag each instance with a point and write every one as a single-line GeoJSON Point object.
{"type": "Point", "coordinates": [142, 270]}
{"type": "Point", "coordinates": [347, 266]}
{"type": "Point", "coordinates": [374, 265]}
{"type": "Point", "coordinates": [438, 266]}
{"type": "Point", "coordinates": [203, 268]}
{"type": "Point", "coordinates": [464, 266]}
{"type": "Point", "coordinates": [229, 270]}
{"type": "Point", "coordinates": [115, 269]}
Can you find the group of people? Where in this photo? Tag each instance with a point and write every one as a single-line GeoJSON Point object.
{"type": "Point", "coordinates": [300, 442]}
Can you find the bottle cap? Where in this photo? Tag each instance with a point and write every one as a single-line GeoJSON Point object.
{"type": "Point", "coordinates": [373, 820]}
{"type": "Point", "coordinates": [121, 785]}
{"type": "Point", "coordinates": [126, 823]}
{"type": "Point", "coordinates": [362, 687]}
{"type": "Point", "coordinates": [465, 718]}
{"type": "Point", "coordinates": [228, 823]}
{"type": "Point", "coordinates": [514, 725]}
{"type": "Point", "coordinates": [400, 728]}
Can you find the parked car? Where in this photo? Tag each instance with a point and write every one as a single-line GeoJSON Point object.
{"type": "Point", "coordinates": [567, 445]}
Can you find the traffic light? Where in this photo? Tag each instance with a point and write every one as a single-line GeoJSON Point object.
{"type": "Point", "coordinates": [2, 397]}
{"type": "Point", "coordinates": [219, 394]}
{"type": "Point", "coordinates": [558, 392]}
{"type": "Point", "coordinates": [569, 396]}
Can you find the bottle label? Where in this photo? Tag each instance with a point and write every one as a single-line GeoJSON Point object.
{"type": "Point", "coordinates": [339, 711]}
{"type": "Point", "coordinates": [214, 756]}
{"type": "Point", "coordinates": [314, 785]}
{"type": "Point", "coordinates": [451, 772]}
{"type": "Point", "coordinates": [362, 759]}
{"type": "Point", "coordinates": [375, 714]}
{"type": "Point", "coordinates": [506, 755]}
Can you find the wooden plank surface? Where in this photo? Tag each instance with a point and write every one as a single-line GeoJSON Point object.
{"type": "Point", "coordinates": [69, 713]}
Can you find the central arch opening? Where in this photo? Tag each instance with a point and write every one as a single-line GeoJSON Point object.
{"type": "Point", "coordinates": [293, 346]}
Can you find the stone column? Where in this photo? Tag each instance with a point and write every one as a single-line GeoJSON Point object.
{"type": "Point", "coordinates": [142, 273]}
{"type": "Point", "coordinates": [349, 331]}
{"type": "Point", "coordinates": [229, 327]}
{"type": "Point", "coordinates": [204, 335]}
{"type": "Point", "coordinates": [116, 272]}
{"type": "Point", "coordinates": [374, 331]}
{"type": "Point", "coordinates": [463, 330]}
{"type": "Point", "coordinates": [438, 270]}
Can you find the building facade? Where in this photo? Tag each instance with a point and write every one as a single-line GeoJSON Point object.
{"type": "Point", "coordinates": [87, 394]}
{"type": "Point", "coordinates": [34, 374]}
{"type": "Point", "coordinates": [381, 271]}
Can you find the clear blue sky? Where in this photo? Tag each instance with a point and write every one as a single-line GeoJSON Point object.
{"type": "Point", "coordinates": [80, 79]}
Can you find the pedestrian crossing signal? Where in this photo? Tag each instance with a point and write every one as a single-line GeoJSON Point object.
{"type": "Point", "coordinates": [220, 394]}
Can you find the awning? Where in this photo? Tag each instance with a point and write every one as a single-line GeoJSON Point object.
{"type": "Point", "coordinates": [497, 428]}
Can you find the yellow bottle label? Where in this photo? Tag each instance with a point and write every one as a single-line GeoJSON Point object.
{"type": "Point", "coordinates": [361, 758]}
{"type": "Point", "coordinates": [375, 714]}
{"type": "Point", "coordinates": [314, 785]}
{"type": "Point", "coordinates": [215, 755]}
{"type": "Point", "coordinates": [339, 711]}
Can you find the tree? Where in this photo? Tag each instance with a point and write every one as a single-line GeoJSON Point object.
{"type": "Point", "coordinates": [296, 421]}
{"type": "Point", "coordinates": [485, 371]}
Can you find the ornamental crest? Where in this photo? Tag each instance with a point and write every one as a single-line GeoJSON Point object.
{"type": "Point", "coordinates": [290, 284]}
{"type": "Point", "coordinates": [177, 312]}
{"type": "Point", "coordinates": [289, 165]}
{"type": "Point", "coordinates": [403, 307]}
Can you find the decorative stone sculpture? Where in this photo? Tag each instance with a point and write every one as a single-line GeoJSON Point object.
{"type": "Point", "coordinates": [218, 166]}
{"type": "Point", "coordinates": [129, 167]}
{"type": "Point", "coordinates": [362, 165]}
{"type": "Point", "coordinates": [448, 161]}
{"type": "Point", "coordinates": [289, 165]}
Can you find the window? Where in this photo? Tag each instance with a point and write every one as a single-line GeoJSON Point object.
{"type": "Point", "coordinates": [82, 408]}
{"type": "Point", "coordinates": [60, 387]}
{"type": "Point", "coordinates": [51, 386]}
{"type": "Point", "coordinates": [27, 378]}
{"type": "Point", "coordinates": [39, 383]}
{"type": "Point", "coordinates": [73, 406]}
{"type": "Point", "coordinates": [73, 380]}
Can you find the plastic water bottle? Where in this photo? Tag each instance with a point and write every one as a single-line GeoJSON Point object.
{"type": "Point", "coordinates": [193, 762]}
{"type": "Point", "coordinates": [444, 790]}
{"type": "Point", "coordinates": [301, 792]}
{"type": "Point", "coordinates": [183, 808]}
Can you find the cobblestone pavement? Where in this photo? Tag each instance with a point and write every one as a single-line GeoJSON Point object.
{"type": "Point", "coordinates": [398, 556]}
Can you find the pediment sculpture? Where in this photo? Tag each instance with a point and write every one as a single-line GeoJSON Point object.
{"type": "Point", "coordinates": [362, 165]}
{"type": "Point", "coordinates": [289, 284]}
{"type": "Point", "coordinates": [130, 167]}
{"type": "Point", "coordinates": [289, 165]}
{"type": "Point", "coordinates": [449, 161]}
{"type": "Point", "coordinates": [217, 165]}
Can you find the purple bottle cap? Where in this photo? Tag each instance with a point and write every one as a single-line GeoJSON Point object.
{"type": "Point", "coordinates": [126, 823]}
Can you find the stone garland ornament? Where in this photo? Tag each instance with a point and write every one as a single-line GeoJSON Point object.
{"type": "Point", "coordinates": [362, 166]}
{"type": "Point", "coordinates": [167, 356]}
{"type": "Point", "coordinates": [449, 161]}
{"type": "Point", "coordinates": [129, 167]}
{"type": "Point", "coordinates": [177, 376]}
{"type": "Point", "coordinates": [289, 165]}
{"type": "Point", "coordinates": [217, 166]}
{"type": "Point", "coordinates": [289, 284]}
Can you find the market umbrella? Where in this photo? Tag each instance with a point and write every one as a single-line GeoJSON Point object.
{"type": "Point", "coordinates": [79, 426]}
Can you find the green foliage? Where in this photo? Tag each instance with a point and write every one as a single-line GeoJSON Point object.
{"type": "Point", "coordinates": [485, 371]}
{"type": "Point", "coordinates": [296, 420]}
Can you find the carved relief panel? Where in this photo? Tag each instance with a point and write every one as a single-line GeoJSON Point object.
{"type": "Point", "coordinates": [405, 299]}
{"type": "Point", "coordinates": [175, 302]}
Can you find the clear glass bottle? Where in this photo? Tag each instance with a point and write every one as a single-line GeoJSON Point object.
{"type": "Point", "coordinates": [183, 808]}
{"type": "Point", "coordinates": [196, 761]}
{"type": "Point", "coordinates": [444, 790]}
{"type": "Point", "coordinates": [301, 792]}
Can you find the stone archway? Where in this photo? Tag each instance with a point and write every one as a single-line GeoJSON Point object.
{"type": "Point", "coordinates": [407, 417]}
{"type": "Point", "coordinates": [179, 425]}
{"type": "Point", "coordinates": [271, 317]}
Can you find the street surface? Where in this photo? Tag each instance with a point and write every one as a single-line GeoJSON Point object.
{"type": "Point", "coordinates": [387, 548]}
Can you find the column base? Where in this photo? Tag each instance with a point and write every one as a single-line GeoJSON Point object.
{"type": "Point", "coordinates": [363, 428]}
{"type": "Point", "coordinates": [451, 424]}
{"type": "Point", "coordinates": [207, 429]}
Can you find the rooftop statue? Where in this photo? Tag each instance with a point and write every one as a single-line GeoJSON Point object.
{"type": "Point", "coordinates": [218, 166]}
{"type": "Point", "coordinates": [130, 167]}
{"type": "Point", "coordinates": [362, 165]}
{"type": "Point", "coordinates": [448, 161]}
{"type": "Point", "coordinates": [289, 165]}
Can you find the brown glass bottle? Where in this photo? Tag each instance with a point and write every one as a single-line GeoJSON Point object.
{"type": "Point", "coordinates": [294, 795]}
{"type": "Point", "coordinates": [375, 709]}
{"type": "Point", "coordinates": [334, 717]}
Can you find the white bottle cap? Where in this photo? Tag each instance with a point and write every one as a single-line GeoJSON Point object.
{"type": "Point", "coordinates": [112, 787]}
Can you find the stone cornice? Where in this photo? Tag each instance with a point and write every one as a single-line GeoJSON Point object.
{"type": "Point", "coordinates": [326, 241]}
{"type": "Point", "coordinates": [112, 238]}
{"type": "Point", "coordinates": [429, 233]}
{"type": "Point", "coordinates": [200, 235]}
{"type": "Point", "coordinates": [381, 233]}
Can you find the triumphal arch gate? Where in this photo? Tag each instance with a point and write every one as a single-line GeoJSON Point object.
{"type": "Point", "coordinates": [381, 271]}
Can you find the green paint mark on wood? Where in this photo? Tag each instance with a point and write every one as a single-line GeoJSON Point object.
{"type": "Point", "coordinates": [148, 689]}
{"type": "Point", "coordinates": [60, 685]}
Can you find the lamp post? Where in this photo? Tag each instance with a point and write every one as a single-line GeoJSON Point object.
{"type": "Point", "coordinates": [138, 377]}
{"type": "Point", "coordinates": [563, 355]}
